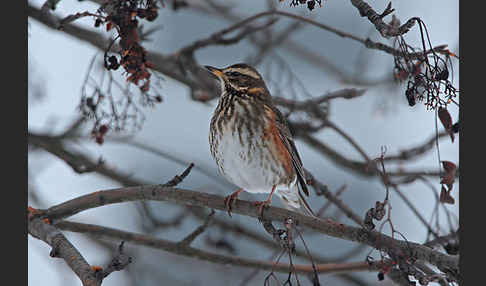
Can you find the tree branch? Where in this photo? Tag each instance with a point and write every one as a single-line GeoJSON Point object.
{"type": "Point", "coordinates": [170, 65]}
{"type": "Point", "coordinates": [181, 196]}
{"type": "Point", "coordinates": [185, 250]}
{"type": "Point", "coordinates": [385, 30]}
{"type": "Point", "coordinates": [193, 235]}
{"type": "Point", "coordinates": [322, 190]}
{"type": "Point", "coordinates": [217, 38]}
{"type": "Point", "coordinates": [62, 248]}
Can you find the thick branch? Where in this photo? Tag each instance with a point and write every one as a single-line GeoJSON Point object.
{"type": "Point", "coordinates": [443, 240]}
{"type": "Point", "coordinates": [187, 197]}
{"type": "Point", "coordinates": [62, 248]}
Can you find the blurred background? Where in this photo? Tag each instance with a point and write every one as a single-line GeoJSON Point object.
{"type": "Point", "coordinates": [310, 62]}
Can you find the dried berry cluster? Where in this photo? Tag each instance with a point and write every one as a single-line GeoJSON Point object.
{"type": "Point", "coordinates": [123, 15]}
{"type": "Point", "coordinates": [427, 71]}
{"type": "Point", "coordinates": [311, 4]}
{"type": "Point", "coordinates": [110, 104]}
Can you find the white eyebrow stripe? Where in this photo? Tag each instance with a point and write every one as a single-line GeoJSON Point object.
{"type": "Point", "coordinates": [247, 72]}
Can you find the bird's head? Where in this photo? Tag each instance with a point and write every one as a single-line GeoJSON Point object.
{"type": "Point", "coordinates": [240, 77]}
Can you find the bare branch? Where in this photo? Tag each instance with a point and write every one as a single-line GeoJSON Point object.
{"type": "Point", "coordinates": [416, 151]}
{"type": "Point", "coordinates": [62, 248]}
{"type": "Point", "coordinates": [328, 203]}
{"type": "Point", "coordinates": [443, 240]}
{"type": "Point", "coordinates": [118, 263]}
{"type": "Point", "coordinates": [361, 168]}
{"type": "Point", "coordinates": [217, 38]}
{"type": "Point", "coordinates": [414, 209]}
{"type": "Point", "coordinates": [199, 213]}
{"type": "Point", "coordinates": [170, 65]}
{"type": "Point", "coordinates": [346, 93]}
{"type": "Point", "coordinates": [56, 147]}
{"type": "Point", "coordinates": [204, 169]}
{"type": "Point", "coordinates": [350, 140]}
{"type": "Point", "coordinates": [322, 190]}
{"type": "Point", "coordinates": [193, 235]}
{"type": "Point", "coordinates": [184, 250]}
{"type": "Point", "coordinates": [179, 178]}
{"type": "Point", "coordinates": [187, 197]}
{"type": "Point", "coordinates": [274, 41]}
{"type": "Point", "coordinates": [386, 30]}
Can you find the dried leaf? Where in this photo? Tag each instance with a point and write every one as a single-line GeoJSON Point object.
{"type": "Point", "coordinates": [448, 179]}
{"type": "Point", "coordinates": [445, 196]}
{"type": "Point", "coordinates": [446, 120]}
{"type": "Point", "coordinates": [448, 166]}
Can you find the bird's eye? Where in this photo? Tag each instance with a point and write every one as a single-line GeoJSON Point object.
{"type": "Point", "coordinates": [233, 74]}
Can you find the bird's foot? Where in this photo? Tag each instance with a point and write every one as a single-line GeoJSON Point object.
{"type": "Point", "coordinates": [261, 205]}
{"type": "Point", "coordinates": [228, 201]}
{"type": "Point", "coordinates": [264, 204]}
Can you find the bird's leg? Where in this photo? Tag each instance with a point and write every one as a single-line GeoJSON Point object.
{"type": "Point", "coordinates": [266, 203]}
{"type": "Point", "coordinates": [230, 199]}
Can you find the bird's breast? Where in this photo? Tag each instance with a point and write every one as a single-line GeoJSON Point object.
{"type": "Point", "coordinates": [244, 149]}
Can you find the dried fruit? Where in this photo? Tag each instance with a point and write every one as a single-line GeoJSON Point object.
{"type": "Point", "coordinates": [310, 5]}
{"type": "Point", "coordinates": [443, 75]}
{"type": "Point", "coordinates": [381, 276]}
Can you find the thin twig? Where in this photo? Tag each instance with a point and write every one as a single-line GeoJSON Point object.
{"type": "Point", "coordinates": [329, 203]}
{"type": "Point", "coordinates": [323, 190]}
{"type": "Point", "coordinates": [385, 30]}
{"type": "Point", "coordinates": [179, 178]}
{"type": "Point", "coordinates": [193, 235]}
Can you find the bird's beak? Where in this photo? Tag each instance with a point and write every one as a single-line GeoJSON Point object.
{"type": "Point", "coordinates": [217, 72]}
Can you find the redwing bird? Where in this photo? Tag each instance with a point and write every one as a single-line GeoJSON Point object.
{"type": "Point", "coordinates": [251, 141]}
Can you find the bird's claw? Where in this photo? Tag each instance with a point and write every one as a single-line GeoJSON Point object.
{"type": "Point", "coordinates": [228, 201]}
{"type": "Point", "coordinates": [262, 205]}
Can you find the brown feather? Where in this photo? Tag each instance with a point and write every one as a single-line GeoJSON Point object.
{"type": "Point", "coordinates": [288, 141]}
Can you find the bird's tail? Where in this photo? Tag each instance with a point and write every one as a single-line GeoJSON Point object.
{"type": "Point", "coordinates": [294, 200]}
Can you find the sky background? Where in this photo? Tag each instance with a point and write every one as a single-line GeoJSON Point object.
{"type": "Point", "coordinates": [57, 68]}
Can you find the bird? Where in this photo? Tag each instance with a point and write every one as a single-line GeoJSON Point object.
{"type": "Point", "coordinates": [251, 142]}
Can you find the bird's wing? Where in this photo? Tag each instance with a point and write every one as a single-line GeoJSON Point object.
{"type": "Point", "coordinates": [288, 141]}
